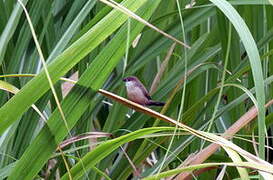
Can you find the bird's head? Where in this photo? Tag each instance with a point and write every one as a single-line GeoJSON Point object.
{"type": "Point", "coordinates": [131, 80]}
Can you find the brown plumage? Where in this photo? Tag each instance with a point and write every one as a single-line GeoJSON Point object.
{"type": "Point", "coordinates": [136, 92]}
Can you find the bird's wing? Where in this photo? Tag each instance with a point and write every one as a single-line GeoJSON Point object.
{"type": "Point", "coordinates": [144, 90]}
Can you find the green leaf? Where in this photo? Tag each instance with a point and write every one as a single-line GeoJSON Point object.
{"type": "Point", "coordinates": [63, 63]}
{"type": "Point", "coordinates": [255, 63]}
{"type": "Point", "coordinates": [9, 29]}
{"type": "Point", "coordinates": [77, 101]}
{"type": "Point", "coordinates": [100, 152]}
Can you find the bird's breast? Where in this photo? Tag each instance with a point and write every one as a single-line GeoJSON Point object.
{"type": "Point", "coordinates": [135, 94]}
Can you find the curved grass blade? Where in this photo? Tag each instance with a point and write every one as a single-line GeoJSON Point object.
{"type": "Point", "coordinates": [255, 62]}
{"type": "Point", "coordinates": [10, 29]}
{"type": "Point", "coordinates": [93, 157]}
{"type": "Point", "coordinates": [77, 101]}
{"type": "Point", "coordinates": [63, 63]}
{"type": "Point", "coordinates": [199, 166]}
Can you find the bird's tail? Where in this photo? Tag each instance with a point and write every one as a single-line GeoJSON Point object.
{"type": "Point", "coordinates": [154, 103]}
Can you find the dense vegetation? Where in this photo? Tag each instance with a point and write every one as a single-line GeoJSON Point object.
{"type": "Point", "coordinates": [210, 61]}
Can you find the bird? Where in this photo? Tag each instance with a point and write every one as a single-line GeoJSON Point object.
{"type": "Point", "coordinates": [137, 92]}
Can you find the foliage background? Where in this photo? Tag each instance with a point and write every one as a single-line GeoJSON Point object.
{"type": "Point", "coordinates": [91, 42]}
